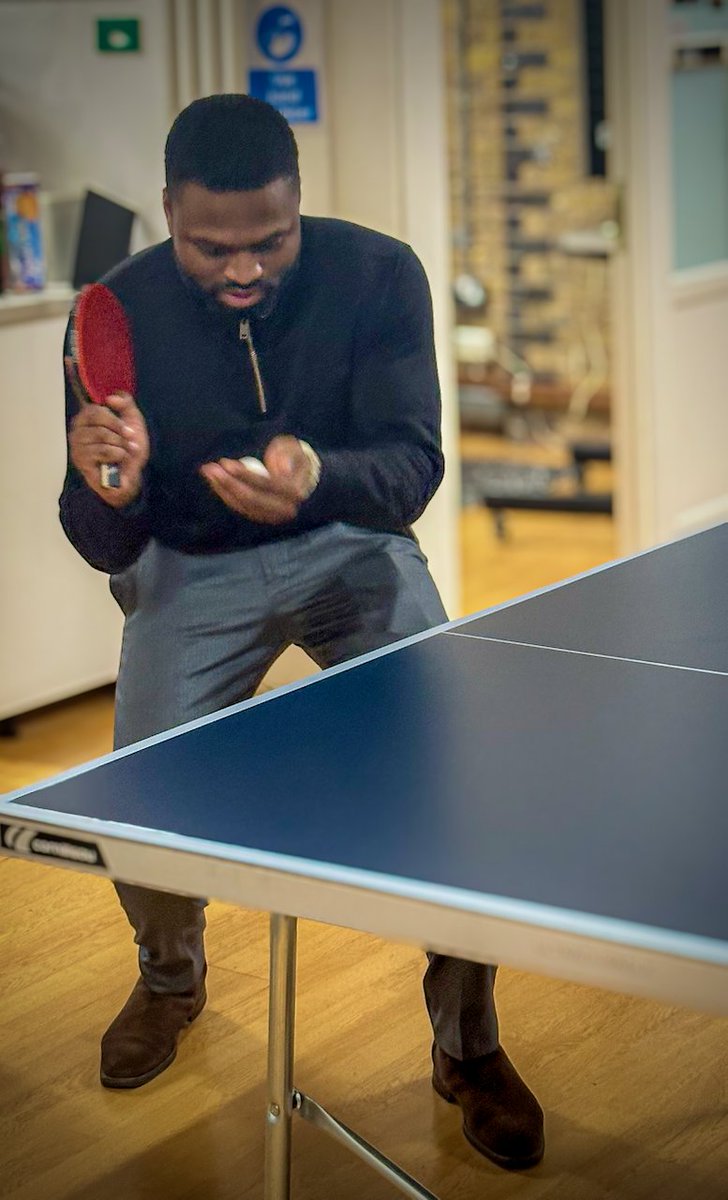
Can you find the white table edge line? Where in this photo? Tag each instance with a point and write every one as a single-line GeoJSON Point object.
{"type": "Point", "coordinates": [530, 912]}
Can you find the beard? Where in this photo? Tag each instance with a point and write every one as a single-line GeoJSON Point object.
{"type": "Point", "coordinates": [271, 294]}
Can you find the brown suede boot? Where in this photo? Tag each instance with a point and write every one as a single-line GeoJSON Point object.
{"type": "Point", "coordinates": [501, 1118]}
{"type": "Point", "coordinates": [142, 1041]}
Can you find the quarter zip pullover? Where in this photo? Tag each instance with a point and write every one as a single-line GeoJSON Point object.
{"type": "Point", "coordinates": [345, 361]}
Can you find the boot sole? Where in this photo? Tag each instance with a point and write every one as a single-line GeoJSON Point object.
{"type": "Point", "coordinates": [135, 1081]}
{"type": "Point", "coordinates": [501, 1160]}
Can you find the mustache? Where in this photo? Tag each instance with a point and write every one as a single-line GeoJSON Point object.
{"type": "Point", "coordinates": [244, 289]}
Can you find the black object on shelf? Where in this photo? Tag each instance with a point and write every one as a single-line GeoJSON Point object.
{"type": "Point", "coordinates": [104, 238]}
{"type": "Point", "coordinates": [530, 199]}
{"type": "Point", "coordinates": [481, 408]}
{"type": "Point", "coordinates": [523, 12]}
{"type": "Point", "coordinates": [529, 245]}
{"type": "Point", "coordinates": [530, 293]}
{"type": "Point", "coordinates": [523, 336]}
{"type": "Point", "coordinates": [516, 60]}
{"type": "Point", "coordinates": [525, 105]}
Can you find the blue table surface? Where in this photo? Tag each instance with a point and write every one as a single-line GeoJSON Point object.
{"type": "Point", "coordinates": [588, 783]}
{"type": "Point", "coordinates": [667, 606]}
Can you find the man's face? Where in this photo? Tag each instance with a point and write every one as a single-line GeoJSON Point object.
{"type": "Point", "coordinates": [236, 246]}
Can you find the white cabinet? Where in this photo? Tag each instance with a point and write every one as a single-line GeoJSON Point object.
{"type": "Point", "coordinates": [59, 627]}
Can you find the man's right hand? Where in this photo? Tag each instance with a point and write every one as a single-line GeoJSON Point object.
{"type": "Point", "coordinates": [112, 433]}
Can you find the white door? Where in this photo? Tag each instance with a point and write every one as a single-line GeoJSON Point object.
{"type": "Point", "coordinates": [667, 73]}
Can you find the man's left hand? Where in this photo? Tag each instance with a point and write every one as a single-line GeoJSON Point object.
{"type": "Point", "coordinates": [271, 499]}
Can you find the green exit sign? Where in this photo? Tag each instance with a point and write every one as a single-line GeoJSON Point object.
{"type": "Point", "coordinates": [118, 35]}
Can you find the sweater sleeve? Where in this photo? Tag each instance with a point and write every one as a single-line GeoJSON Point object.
{"type": "Point", "coordinates": [394, 464]}
{"type": "Point", "coordinates": [109, 539]}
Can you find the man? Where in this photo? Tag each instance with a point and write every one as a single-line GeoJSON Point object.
{"type": "Point", "coordinates": [283, 437]}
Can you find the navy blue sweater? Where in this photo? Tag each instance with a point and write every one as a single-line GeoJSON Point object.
{"type": "Point", "coordinates": [347, 362]}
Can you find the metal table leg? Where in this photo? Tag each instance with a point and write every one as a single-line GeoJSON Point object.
{"type": "Point", "coordinates": [284, 1100]}
{"type": "Point", "coordinates": [281, 1019]}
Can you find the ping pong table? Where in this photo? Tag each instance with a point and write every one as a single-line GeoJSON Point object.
{"type": "Point", "coordinates": [543, 785]}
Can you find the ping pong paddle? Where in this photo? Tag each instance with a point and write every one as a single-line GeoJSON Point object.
{"type": "Point", "coordinates": [103, 354]}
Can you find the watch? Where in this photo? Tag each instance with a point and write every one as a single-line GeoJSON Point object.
{"type": "Point", "coordinates": [314, 467]}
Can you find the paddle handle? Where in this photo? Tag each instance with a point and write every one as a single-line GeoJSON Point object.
{"type": "Point", "coordinates": [110, 475]}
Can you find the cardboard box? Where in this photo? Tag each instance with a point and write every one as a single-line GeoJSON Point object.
{"type": "Point", "coordinates": [24, 258]}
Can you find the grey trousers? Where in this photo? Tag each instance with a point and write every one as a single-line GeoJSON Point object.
{"type": "Point", "coordinates": [200, 634]}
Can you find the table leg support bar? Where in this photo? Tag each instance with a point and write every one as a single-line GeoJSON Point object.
{"type": "Point", "coordinates": [283, 1100]}
{"type": "Point", "coordinates": [318, 1116]}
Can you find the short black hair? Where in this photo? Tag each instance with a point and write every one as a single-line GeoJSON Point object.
{"type": "Point", "coordinates": [230, 143]}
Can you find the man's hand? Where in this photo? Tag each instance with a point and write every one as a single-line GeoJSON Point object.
{"type": "Point", "coordinates": [112, 433]}
{"type": "Point", "coordinates": [270, 499]}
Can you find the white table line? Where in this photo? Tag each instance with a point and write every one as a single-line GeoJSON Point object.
{"type": "Point", "coordinates": [646, 662]}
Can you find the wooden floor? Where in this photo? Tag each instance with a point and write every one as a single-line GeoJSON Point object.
{"type": "Point", "coordinates": [636, 1094]}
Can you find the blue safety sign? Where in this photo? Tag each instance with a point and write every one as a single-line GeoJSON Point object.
{"type": "Point", "coordinates": [292, 92]}
{"type": "Point", "coordinates": [279, 33]}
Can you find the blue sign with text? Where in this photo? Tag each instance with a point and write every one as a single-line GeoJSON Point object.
{"type": "Point", "coordinates": [292, 92]}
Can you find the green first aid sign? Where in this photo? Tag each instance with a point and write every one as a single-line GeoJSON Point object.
{"type": "Point", "coordinates": [119, 35]}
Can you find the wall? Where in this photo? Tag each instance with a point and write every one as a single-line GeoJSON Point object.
{"type": "Point", "coordinates": [80, 118]}
{"type": "Point", "coordinates": [478, 144]}
{"type": "Point", "coordinates": [389, 170]}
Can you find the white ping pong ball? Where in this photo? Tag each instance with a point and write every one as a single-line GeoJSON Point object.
{"type": "Point", "coordinates": [255, 465]}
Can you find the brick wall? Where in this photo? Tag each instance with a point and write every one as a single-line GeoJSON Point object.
{"type": "Point", "coordinates": [576, 311]}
